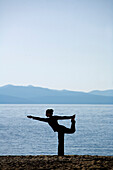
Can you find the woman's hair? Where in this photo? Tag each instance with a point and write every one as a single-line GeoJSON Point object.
{"type": "Point", "coordinates": [49, 111]}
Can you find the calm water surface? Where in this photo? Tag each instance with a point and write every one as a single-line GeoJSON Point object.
{"type": "Point", "coordinates": [22, 136]}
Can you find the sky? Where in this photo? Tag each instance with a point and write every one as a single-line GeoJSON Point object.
{"type": "Point", "coordinates": [57, 44]}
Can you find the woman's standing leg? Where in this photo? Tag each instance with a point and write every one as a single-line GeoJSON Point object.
{"type": "Point", "coordinates": [61, 133]}
{"type": "Point", "coordinates": [60, 143]}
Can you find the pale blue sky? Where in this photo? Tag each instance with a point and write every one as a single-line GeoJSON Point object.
{"type": "Point", "coordinates": [58, 44]}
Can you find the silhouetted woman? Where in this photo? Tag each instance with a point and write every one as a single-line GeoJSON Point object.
{"type": "Point", "coordinates": [53, 122]}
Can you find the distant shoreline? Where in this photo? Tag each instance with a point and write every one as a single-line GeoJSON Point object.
{"type": "Point", "coordinates": [56, 162]}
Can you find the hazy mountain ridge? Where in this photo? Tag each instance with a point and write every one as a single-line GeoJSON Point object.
{"type": "Point", "coordinates": [6, 99]}
{"type": "Point", "coordinates": [102, 93]}
{"type": "Point", "coordinates": [38, 95]}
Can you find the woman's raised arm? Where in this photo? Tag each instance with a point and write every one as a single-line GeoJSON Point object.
{"type": "Point", "coordinates": [64, 117]}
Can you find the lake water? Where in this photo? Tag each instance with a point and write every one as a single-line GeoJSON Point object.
{"type": "Point", "coordinates": [22, 136]}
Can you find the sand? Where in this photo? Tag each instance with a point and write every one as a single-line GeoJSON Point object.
{"type": "Point", "coordinates": [83, 162]}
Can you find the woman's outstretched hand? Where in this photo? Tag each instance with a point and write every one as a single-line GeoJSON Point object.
{"type": "Point", "coordinates": [30, 116]}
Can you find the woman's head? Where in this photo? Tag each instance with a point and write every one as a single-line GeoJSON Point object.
{"type": "Point", "coordinates": [49, 112]}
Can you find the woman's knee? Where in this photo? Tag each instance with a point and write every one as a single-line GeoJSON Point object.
{"type": "Point", "coordinates": [73, 130]}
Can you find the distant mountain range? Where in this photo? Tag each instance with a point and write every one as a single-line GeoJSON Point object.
{"type": "Point", "coordinates": [11, 94]}
{"type": "Point", "coordinates": [102, 93]}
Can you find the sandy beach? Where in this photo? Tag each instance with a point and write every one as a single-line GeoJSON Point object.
{"type": "Point", "coordinates": [83, 162]}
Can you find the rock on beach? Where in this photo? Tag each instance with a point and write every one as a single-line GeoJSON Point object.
{"type": "Point", "coordinates": [67, 162]}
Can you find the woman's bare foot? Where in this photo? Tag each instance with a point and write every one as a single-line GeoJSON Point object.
{"type": "Point", "coordinates": [73, 118]}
